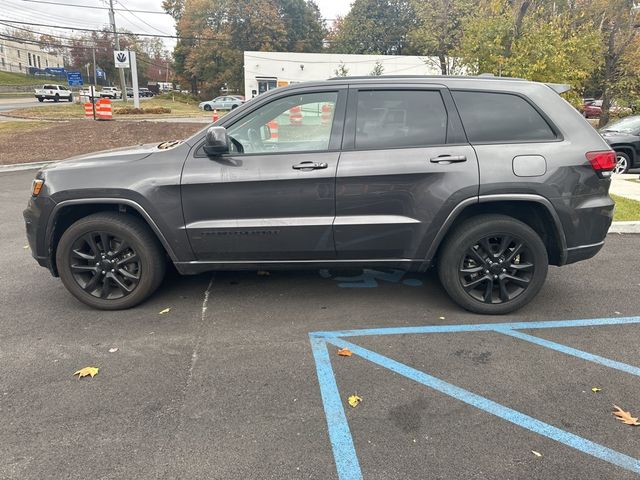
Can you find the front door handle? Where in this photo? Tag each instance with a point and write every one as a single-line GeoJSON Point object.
{"type": "Point", "coordinates": [310, 166]}
{"type": "Point", "coordinates": [449, 159]}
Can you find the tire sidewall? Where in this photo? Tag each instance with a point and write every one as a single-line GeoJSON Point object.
{"type": "Point", "coordinates": [468, 236]}
{"type": "Point", "coordinates": [622, 154]}
{"type": "Point", "coordinates": [147, 281]}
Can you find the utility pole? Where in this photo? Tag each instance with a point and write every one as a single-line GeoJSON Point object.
{"type": "Point", "coordinates": [112, 19]}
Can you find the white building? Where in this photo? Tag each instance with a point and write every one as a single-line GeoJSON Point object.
{"type": "Point", "coordinates": [265, 71]}
{"type": "Point", "coordinates": [19, 57]}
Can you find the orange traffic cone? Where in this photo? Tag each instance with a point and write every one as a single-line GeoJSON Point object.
{"type": "Point", "coordinates": [216, 117]}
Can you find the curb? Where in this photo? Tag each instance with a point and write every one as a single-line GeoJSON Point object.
{"type": "Point", "coordinates": [24, 166]}
{"type": "Point", "coordinates": [625, 227]}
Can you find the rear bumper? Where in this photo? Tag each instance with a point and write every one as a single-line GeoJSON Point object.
{"type": "Point", "coordinates": [583, 252]}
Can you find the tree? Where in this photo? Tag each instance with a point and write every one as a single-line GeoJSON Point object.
{"type": "Point", "coordinates": [341, 71]}
{"type": "Point", "coordinates": [378, 69]}
{"type": "Point", "coordinates": [303, 24]}
{"type": "Point", "coordinates": [374, 27]}
{"type": "Point", "coordinates": [438, 29]}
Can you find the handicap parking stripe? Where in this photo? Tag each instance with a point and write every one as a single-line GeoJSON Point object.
{"type": "Point", "coordinates": [346, 459]}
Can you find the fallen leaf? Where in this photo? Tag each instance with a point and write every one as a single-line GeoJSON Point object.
{"type": "Point", "coordinates": [113, 350]}
{"type": "Point", "coordinates": [595, 389]}
{"type": "Point", "coordinates": [617, 313]}
{"type": "Point", "coordinates": [537, 454]}
{"type": "Point", "coordinates": [345, 352]}
{"type": "Point", "coordinates": [441, 318]}
{"type": "Point", "coordinates": [354, 400]}
{"type": "Point", "coordinates": [25, 247]}
{"type": "Point", "coordinates": [625, 417]}
{"type": "Point", "coordinates": [166, 310]}
{"type": "Point", "coordinates": [87, 371]}
{"type": "Point", "coordinates": [263, 273]}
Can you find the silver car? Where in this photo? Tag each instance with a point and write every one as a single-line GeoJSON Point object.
{"type": "Point", "coordinates": [226, 102]}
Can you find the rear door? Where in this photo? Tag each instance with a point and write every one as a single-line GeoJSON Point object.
{"type": "Point", "coordinates": [405, 165]}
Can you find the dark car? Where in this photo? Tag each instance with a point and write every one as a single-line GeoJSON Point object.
{"type": "Point", "coordinates": [624, 137]}
{"type": "Point", "coordinates": [489, 179]}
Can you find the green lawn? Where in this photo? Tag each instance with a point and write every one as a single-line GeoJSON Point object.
{"type": "Point", "coordinates": [8, 78]}
{"type": "Point", "coordinates": [626, 210]}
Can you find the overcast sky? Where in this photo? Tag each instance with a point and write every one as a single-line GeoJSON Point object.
{"type": "Point", "coordinates": [33, 12]}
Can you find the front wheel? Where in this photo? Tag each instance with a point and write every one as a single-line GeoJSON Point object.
{"type": "Point", "coordinates": [207, 108]}
{"type": "Point", "coordinates": [623, 163]}
{"type": "Point", "coordinates": [493, 264]}
{"type": "Point", "coordinates": [110, 261]}
{"type": "Point", "coordinates": [70, 99]}
{"type": "Point", "coordinates": [56, 98]}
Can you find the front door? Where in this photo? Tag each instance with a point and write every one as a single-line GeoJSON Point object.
{"type": "Point", "coordinates": [405, 165]}
{"type": "Point", "coordinates": [273, 197]}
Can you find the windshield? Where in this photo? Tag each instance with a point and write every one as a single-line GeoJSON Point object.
{"type": "Point", "coordinates": [626, 125]}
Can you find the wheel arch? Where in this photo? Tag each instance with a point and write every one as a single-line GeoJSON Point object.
{"type": "Point", "coordinates": [533, 210]}
{"type": "Point", "coordinates": [67, 212]}
{"type": "Point", "coordinates": [629, 150]}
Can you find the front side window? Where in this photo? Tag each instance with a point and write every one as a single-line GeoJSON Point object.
{"type": "Point", "coordinates": [400, 118]}
{"type": "Point", "coordinates": [297, 123]}
{"type": "Point", "coordinates": [500, 118]}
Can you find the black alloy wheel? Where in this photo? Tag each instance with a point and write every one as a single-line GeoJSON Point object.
{"type": "Point", "coordinates": [104, 265]}
{"type": "Point", "coordinates": [496, 269]}
{"type": "Point", "coordinates": [492, 264]}
{"type": "Point", "coordinates": [110, 260]}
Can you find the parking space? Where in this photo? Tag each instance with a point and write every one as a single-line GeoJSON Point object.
{"type": "Point", "coordinates": [227, 384]}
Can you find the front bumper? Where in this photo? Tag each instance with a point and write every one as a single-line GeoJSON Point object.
{"type": "Point", "coordinates": [36, 217]}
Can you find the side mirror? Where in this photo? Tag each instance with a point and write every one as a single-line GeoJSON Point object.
{"type": "Point", "coordinates": [265, 133]}
{"type": "Point", "coordinates": [217, 141]}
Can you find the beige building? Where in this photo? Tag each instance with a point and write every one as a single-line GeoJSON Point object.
{"type": "Point", "coordinates": [18, 57]}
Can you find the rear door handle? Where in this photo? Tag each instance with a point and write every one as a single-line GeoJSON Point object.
{"type": "Point", "coordinates": [310, 166]}
{"type": "Point", "coordinates": [449, 159]}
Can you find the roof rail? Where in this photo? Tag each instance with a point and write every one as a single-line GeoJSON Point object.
{"type": "Point", "coordinates": [483, 76]}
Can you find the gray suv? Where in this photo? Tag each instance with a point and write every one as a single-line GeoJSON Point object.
{"type": "Point", "coordinates": [489, 179]}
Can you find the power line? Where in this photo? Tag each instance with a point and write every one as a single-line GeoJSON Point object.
{"type": "Point", "coordinates": [143, 21]}
{"type": "Point", "coordinates": [93, 7]}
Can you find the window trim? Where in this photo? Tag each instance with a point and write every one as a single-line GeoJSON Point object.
{"type": "Point", "coordinates": [554, 129]}
{"type": "Point", "coordinates": [455, 134]}
{"type": "Point", "coordinates": [335, 137]}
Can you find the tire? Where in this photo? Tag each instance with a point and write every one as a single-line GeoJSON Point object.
{"type": "Point", "coordinates": [132, 245]}
{"type": "Point", "coordinates": [70, 98]}
{"type": "Point", "coordinates": [233, 107]}
{"type": "Point", "coordinates": [465, 262]}
{"type": "Point", "coordinates": [207, 108]}
{"type": "Point", "coordinates": [56, 98]}
{"type": "Point", "coordinates": [40, 99]}
{"type": "Point", "coordinates": [623, 163]}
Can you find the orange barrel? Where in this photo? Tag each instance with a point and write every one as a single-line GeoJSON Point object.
{"type": "Point", "coordinates": [88, 110]}
{"type": "Point", "coordinates": [216, 117]}
{"type": "Point", "coordinates": [273, 126]}
{"type": "Point", "coordinates": [104, 109]}
{"type": "Point", "coordinates": [295, 116]}
{"type": "Point", "coordinates": [325, 116]}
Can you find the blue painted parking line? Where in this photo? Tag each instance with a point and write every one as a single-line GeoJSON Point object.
{"type": "Point", "coordinates": [345, 455]}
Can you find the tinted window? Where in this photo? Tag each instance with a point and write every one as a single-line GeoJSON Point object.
{"type": "Point", "coordinates": [500, 117]}
{"type": "Point", "coordinates": [297, 123]}
{"type": "Point", "coordinates": [400, 118]}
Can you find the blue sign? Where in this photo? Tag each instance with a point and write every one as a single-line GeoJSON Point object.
{"type": "Point", "coordinates": [55, 71]}
{"type": "Point", "coordinates": [100, 73]}
{"type": "Point", "coordinates": [74, 79]}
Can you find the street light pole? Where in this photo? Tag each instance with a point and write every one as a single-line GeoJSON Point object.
{"type": "Point", "coordinates": [112, 19]}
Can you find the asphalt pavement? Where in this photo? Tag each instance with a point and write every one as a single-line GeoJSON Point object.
{"type": "Point", "coordinates": [225, 385]}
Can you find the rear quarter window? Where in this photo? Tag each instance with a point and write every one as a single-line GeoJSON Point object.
{"type": "Point", "coordinates": [501, 118]}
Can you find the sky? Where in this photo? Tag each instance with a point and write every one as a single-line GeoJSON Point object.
{"type": "Point", "coordinates": [153, 23]}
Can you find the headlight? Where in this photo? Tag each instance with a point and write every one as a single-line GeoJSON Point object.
{"type": "Point", "coordinates": [36, 186]}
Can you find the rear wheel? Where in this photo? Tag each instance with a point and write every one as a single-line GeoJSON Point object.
{"type": "Point", "coordinates": [40, 99]}
{"type": "Point", "coordinates": [623, 163]}
{"type": "Point", "coordinates": [56, 98]}
{"type": "Point", "coordinates": [70, 98]}
{"type": "Point", "coordinates": [493, 264]}
{"type": "Point", "coordinates": [110, 261]}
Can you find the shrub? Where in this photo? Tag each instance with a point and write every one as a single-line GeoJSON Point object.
{"type": "Point", "coordinates": [139, 111]}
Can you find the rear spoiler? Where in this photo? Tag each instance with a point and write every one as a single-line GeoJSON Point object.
{"type": "Point", "coordinates": [559, 87]}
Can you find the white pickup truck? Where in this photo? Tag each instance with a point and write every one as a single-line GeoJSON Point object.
{"type": "Point", "coordinates": [110, 92]}
{"type": "Point", "coordinates": [54, 92]}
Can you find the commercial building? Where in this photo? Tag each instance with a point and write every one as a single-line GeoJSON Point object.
{"type": "Point", "coordinates": [265, 71]}
{"type": "Point", "coordinates": [26, 58]}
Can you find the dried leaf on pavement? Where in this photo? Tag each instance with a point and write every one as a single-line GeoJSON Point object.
{"type": "Point", "coordinates": [625, 417]}
{"type": "Point", "coordinates": [596, 389]}
{"type": "Point", "coordinates": [113, 350]}
{"type": "Point", "coordinates": [537, 454]}
{"type": "Point", "coordinates": [354, 400]}
{"type": "Point", "coordinates": [345, 352]}
{"type": "Point", "coordinates": [87, 371]}
{"type": "Point", "coordinates": [166, 310]}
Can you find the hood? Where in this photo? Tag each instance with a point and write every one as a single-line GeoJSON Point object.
{"type": "Point", "coordinates": [618, 137]}
{"type": "Point", "coordinates": [114, 155]}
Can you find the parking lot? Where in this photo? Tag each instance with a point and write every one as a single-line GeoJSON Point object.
{"type": "Point", "coordinates": [229, 383]}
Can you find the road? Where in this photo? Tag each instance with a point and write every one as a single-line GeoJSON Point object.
{"type": "Point", "coordinates": [225, 384]}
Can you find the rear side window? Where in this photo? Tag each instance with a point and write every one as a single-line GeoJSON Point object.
{"type": "Point", "coordinates": [501, 118]}
{"type": "Point", "coordinates": [400, 118]}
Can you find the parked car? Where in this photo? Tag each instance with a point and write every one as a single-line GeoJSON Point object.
{"type": "Point", "coordinates": [111, 92]}
{"type": "Point", "coordinates": [225, 102]}
{"type": "Point", "coordinates": [130, 92]}
{"type": "Point", "coordinates": [489, 179]}
{"type": "Point", "coordinates": [624, 137]}
{"type": "Point", "coordinates": [145, 92]}
{"type": "Point", "coordinates": [54, 92]}
{"type": "Point", "coordinates": [594, 109]}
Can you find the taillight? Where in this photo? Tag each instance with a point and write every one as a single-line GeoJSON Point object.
{"type": "Point", "coordinates": [603, 162]}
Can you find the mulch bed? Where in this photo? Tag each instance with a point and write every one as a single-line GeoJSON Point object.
{"type": "Point", "coordinates": [60, 140]}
